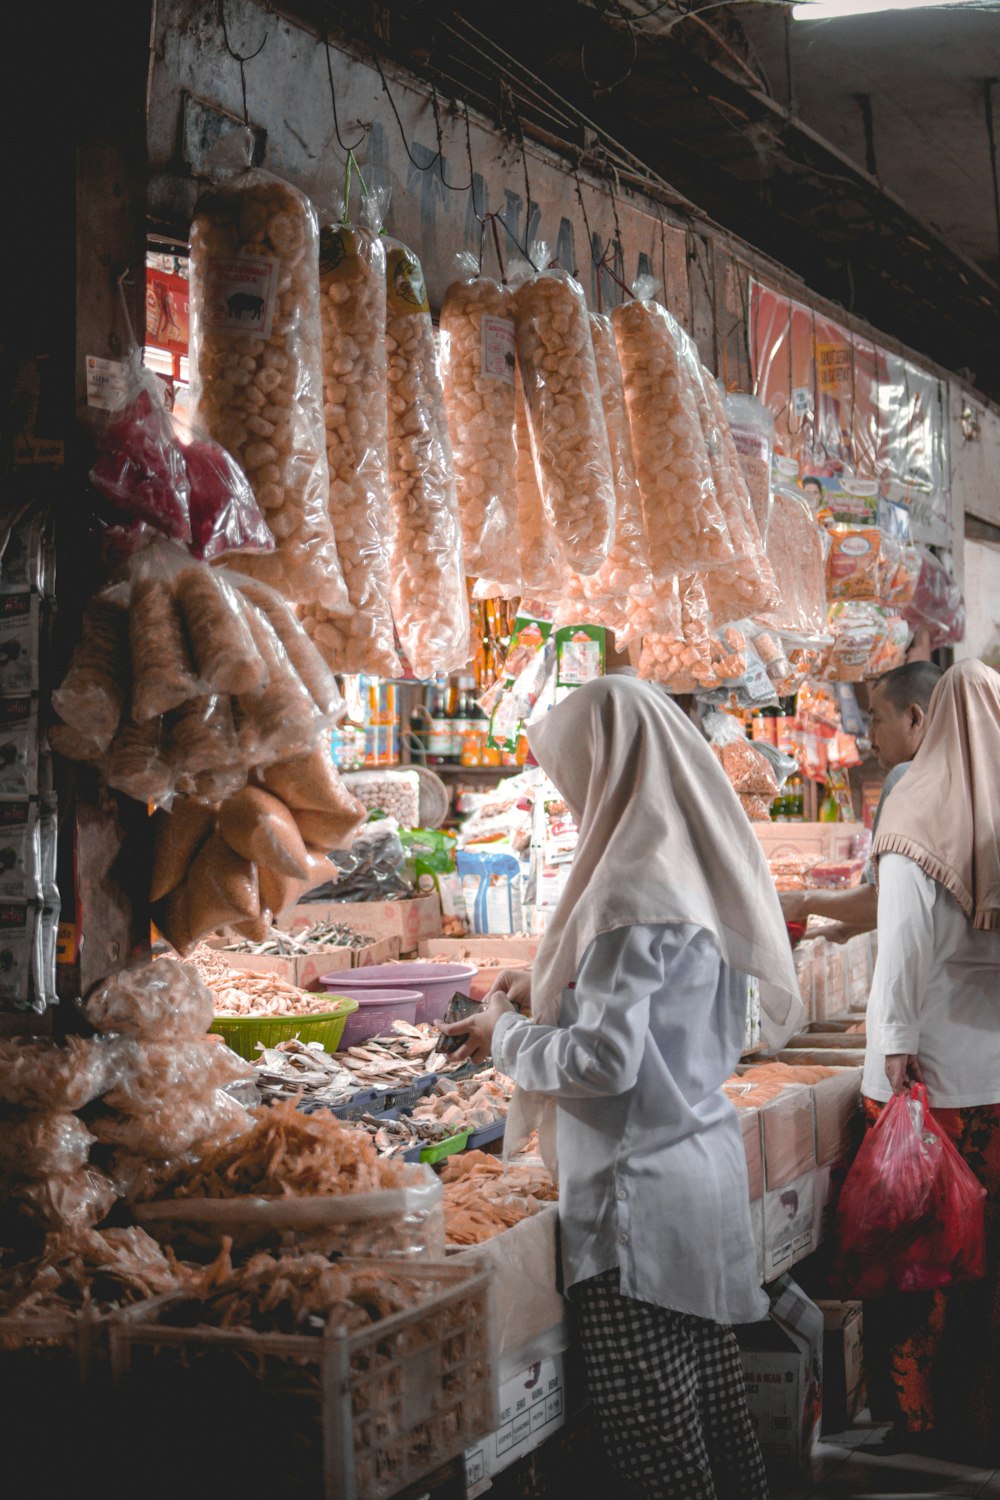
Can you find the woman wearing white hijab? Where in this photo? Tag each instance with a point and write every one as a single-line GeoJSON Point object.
{"type": "Point", "coordinates": [638, 1008]}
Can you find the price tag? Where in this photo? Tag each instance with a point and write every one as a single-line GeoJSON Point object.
{"type": "Point", "coordinates": [105, 383]}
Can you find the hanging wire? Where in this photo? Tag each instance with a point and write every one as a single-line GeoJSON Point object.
{"type": "Point", "coordinates": [241, 57]}
{"type": "Point", "coordinates": [609, 88]}
{"type": "Point", "coordinates": [421, 166]}
{"type": "Point", "coordinates": [347, 150]}
{"type": "Point", "coordinates": [124, 280]}
{"type": "Point", "coordinates": [451, 186]}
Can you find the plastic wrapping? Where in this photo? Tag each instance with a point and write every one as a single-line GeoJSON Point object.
{"type": "Point", "coordinates": [279, 891]}
{"type": "Point", "coordinates": [220, 888]}
{"type": "Point", "coordinates": [44, 1144]}
{"type": "Point", "coordinates": [353, 313]}
{"type": "Point", "coordinates": [312, 782]}
{"type": "Point", "coordinates": [685, 528]}
{"type": "Point", "coordinates": [541, 568]}
{"type": "Point", "coordinates": [137, 763]}
{"type": "Point", "coordinates": [749, 772]}
{"type": "Point", "coordinates": [752, 427]}
{"type": "Point", "coordinates": [180, 1122]}
{"type": "Point", "coordinates": [569, 438]}
{"type": "Point", "coordinates": [158, 1000]}
{"type": "Point", "coordinates": [257, 375]}
{"type": "Point", "coordinates": [372, 869]}
{"type": "Point", "coordinates": [67, 1202]}
{"type": "Point", "coordinates": [937, 602]}
{"type": "Point", "coordinates": [222, 645]}
{"type": "Point", "coordinates": [306, 660]}
{"type": "Point", "coordinates": [427, 574]}
{"type": "Point", "coordinates": [19, 641]}
{"type": "Point", "coordinates": [900, 566]}
{"type": "Point", "coordinates": [19, 745]}
{"type": "Point", "coordinates": [200, 736]}
{"type": "Point", "coordinates": [395, 793]}
{"type": "Point", "coordinates": [796, 546]}
{"type": "Point", "coordinates": [859, 630]}
{"type": "Point", "coordinates": [163, 674]}
{"type": "Point", "coordinates": [140, 466]}
{"type": "Point", "coordinates": [259, 827]}
{"type": "Point", "coordinates": [853, 566]}
{"type": "Point", "coordinates": [225, 517]}
{"type": "Point", "coordinates": [150, 1072]}
{"type": "Point", "coordinates": [280, 720]}
{"type": "Point", "coordinates": [757, 807]}
{"type": "Point", "coordinates": [91, 695]}
{"type": "Point", "coordinates": [177, 837]}
{"type": "Point", "coordinates": [40, 1075]}
{"type": "Point", "coordinates": [683, 662]}
{"type": "Point", "coordinates": [891, 647]}
{"type": "Point", "coordinates": [478, 379]}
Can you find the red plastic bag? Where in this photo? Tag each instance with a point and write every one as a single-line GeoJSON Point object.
{"type": "Point", "coordinates": [225, 517]}
{"type": "Point", "coordinates": [140, 467]}
{"type": "Point", "coordinates": [911, 1212]}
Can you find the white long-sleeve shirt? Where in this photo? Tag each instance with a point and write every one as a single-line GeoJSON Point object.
{"type": "Point", "coordinates": [935, 992]}
{"type": "Point", "coordinates": [652, 1174]}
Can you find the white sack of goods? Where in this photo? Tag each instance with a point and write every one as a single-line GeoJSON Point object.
{"type": "Point", "coordinates": [478, 375]}
{"type": "Point", "coordinates": [569, 438]}
{"type": "Point", "coordinates": [257, 371]}
{"type": "Point", "coordinates": [427, 580]}
{"type": "Point", "coordinates": [352, 310]}
{"type": "Point", "coordinates": [685, 527]}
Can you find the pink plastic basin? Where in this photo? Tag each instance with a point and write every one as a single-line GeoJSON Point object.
{"type": "Point", "coordinates": [377, 1009]}
{"type": "Point", "coordinates": [435, 983]}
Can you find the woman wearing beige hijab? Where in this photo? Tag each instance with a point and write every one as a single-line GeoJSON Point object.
{"type": "Point", "coordinates": [934, 1014]}
{"type": "Point", "coordinates": [637, 1012]}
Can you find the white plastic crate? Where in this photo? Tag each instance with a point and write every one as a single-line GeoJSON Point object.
{"type": "Point", "coordinates": [371, 1412]}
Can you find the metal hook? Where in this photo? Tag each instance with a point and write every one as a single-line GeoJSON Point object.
{"type": "Point", "coordinates": [347, 150]}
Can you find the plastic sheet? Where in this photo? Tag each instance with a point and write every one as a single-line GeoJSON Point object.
{"type": "Point", "coordinates": [569, 438]}
{"type": "Point", "coordinates": [40, 1075]}
{"type": "Point", "coordinates": [158, 1000]}
{"type": "Point", "coordinates": [796, 547]}
{"type": "Point", "coordinates": [478, 379]}
{"type": "Point", "coordinates": [257, 377]}
{"type": "Point", "coordinates": [427, 574]}
{"type": "Point", "coordinates": [353, 314]}
{"type": "Point", "coordinates": [91, 695]}
{"type": "Point", "coordinates": [150, 1072]}
{"type": "Point", "coordinates": [937, 602]}
{"type": "Point", "coordinates": [139, 466]}
{"type": "Point", "coordinates": [181, 1122]}
{"type": "Point", "coordinates": [44, 1144]}
{"type": "Point", "coordinates": [685, 528]}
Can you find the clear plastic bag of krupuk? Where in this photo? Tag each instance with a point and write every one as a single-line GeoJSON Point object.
{"type": "Point", "coordinates": [685, 527]}
{"type": "Point", "coordinates": [478, 371]}
{"type": "Point", "coordinates": [225, 517]}
{"type": "Point", "coordinates": [682, 661]}
{"type": "Point", "coordinates": [42, 1144]}
{"type": "Point", "coordinates": [355, 413]}
{"type": "Point", "coordinates": [797, 547]}
{"type": "Point", "coordinates": [92, 695]}
{"type": "Point", "coordinates": [257, 370]}
{"type": "Point", "coordinates": [158, 1000]}
{"type": "Point", "coordinates": [177, 1122]}
{"type": "Point", "coordinates": [569, 436]}
{"type": "Point", "coordinates": [752, 427]}
{"type": "Point", "coordinates": [427, 578]}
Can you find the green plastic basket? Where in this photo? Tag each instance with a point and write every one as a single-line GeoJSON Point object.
{"type": "Point", "coordinates": [242, 1033]}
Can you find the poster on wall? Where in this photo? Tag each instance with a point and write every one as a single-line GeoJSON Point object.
{"type": "Point", "coordinates": [859, 422]}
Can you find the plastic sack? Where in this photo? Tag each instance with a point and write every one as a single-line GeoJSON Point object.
{"type": "Point", "coordinates": [225, 654]}
{"type": "Point", "coordinates": [281, 719]}
{"type": "Point", "coordinates": [682, 662]}
{"type": "Point", "coordinates": [140, 467]}
{"type": "Point", "coordinates": [752, 427]}
{"type": "Point", "coordinates": [353, 315]}
{"type": "Point", "coordinates": [177, 837]}
{"type": "Point", "coordinates": [911, 1212]}
{"type": "Point", "coordinates": [890, 648]}
{"type": "Point", "coordinates": [200, 736]}
{"type": "Point", "coordinates": [569, 438]}
{"type": "Point", "coordinates": [373, 868]}
{"type": "Point", "coordinates": [259, 827]}
{"type": "Point", "coordinates": [150, 1072]}
{"type": "Point", "coordinates": [225, 517]}
{"type": "Point", "coordinates": [858, 630]}
{"type": "Point", "coordinates": [937, 602]}
{"type": "Point", "coordinates": [899, 571]}
{"type": "Point", "coordinates": [854, 563]}
{"type": "Point", "coordinates": [430, 606]}
{"type": "Point", "coordinates": [749, 772]}
{"type": "Point", "coordinates": [256, 370]}
{"type": "Point", "coordinates": [305, 659]}
{"type": "Point", "coordinates": [43, 1144]}
{"type": "Point", "coordinates": [67, 1202]}
{"type": "Point", "coordinates": [137, 763]}
{"type": "Point", "coordinates": [179, 1122]}
{"type": "Point", "coordinates": [159, 1000]}
{"type": "Point", "coordinates": [478, 380]}
{"type": "Point", "coordinates": [796, 546]}
{"type": "Point", "coordinates": [221, 889]}
{"type": "Point", "coordinates": [40, 1075]}
{"type": "Point", "coordinates": [685, 528]}
{"type": "Point", "coordinates": [92, 694]}
{"type": "Point", "coordinates": [163, 673]}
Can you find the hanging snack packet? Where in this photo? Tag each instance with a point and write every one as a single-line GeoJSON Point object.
{"type": "Point", "coordinates": [91, 695]}
{"type": "Point", "coordinates": [752, 427]}
{"type": "Point", "coordinates": [139, 467]}
{"type": "Point", "coordinates": [854, 561]}
{"type": "Point", "coordinates": [225, 516]}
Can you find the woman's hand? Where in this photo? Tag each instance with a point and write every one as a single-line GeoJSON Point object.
{"type": "Point", "coordinates": [794, 906]}
{"type": "Point", "coordinates": [478, 1030]}
{"type": "Point", "coordinates": [515, 984]}
{"type": "Point", "coordinates": [902, 1069]}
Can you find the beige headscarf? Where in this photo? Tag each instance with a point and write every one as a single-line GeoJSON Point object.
{"type": "Point", "coordinates": [662, 839]}
{"type": "Point", "coordinates": [945, 812]}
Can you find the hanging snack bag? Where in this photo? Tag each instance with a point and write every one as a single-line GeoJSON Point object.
{"type": "Point", "coordinates": [797, 546]}
{"type": "Point", "coordinates": [854, 562]}
{"type": "Point", "coordinates": [683, 662]}
{"type": "Point", "coordinates": [898, 572]}
{"type": "Point", "coordinates": [90, 697]}
{"type": "Point", "coordinates": [139, 467]}
{"type": "Point", "coordinates": [257, 370]}
{"type": "Point", "coordinates": [353, 315]}
{"type": "Point", "coordinates": [225, 517]}
{"type": "Point", "coordinates": [478, 379]}
{"type": "Point", "coordinates": [427, 580]}
{"type": "Point", "coordinates": [19, 745]}
{"type": "Point", "coordinates": [937, 602]}
{"type": "Point", "coordinates": [565, 413]}
{"type": "Point", "coordinates": [752, 427]}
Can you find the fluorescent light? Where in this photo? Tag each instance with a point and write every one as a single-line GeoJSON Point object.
{"type": "Point", "coordinates": [829, 10]}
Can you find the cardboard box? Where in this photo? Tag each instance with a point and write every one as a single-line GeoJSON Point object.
{"type": "Point", "coordinates": [838, 1113]}
{"type": "Point", "coordinates": [513, 950]}
{"type": "Point", "coordinates": [824, 1057]}
{"type": "Point", "coordinates": [792, 1219]}
{"type": "Point", "coordinates": [532, 1408]}
{"type": "Point", "coordinates": [305, 970]}
{"type": "Point", "coordinates": [844, 1394]}
{"type": "Point", "coordinates": [783, 1369]}
{"type": "Point", "coordinates": [825, 840]}
{"type": "Point", "coordinates": [753, 1146]}
{"type": "Point", "coordinates": [530, 1313]}
{"type": "Point", "coordinates": [829, 1181]}
{"type": "Point", "coordinates": [411, 921]}
{"type": "Point", "coordinates": [788, 1123]}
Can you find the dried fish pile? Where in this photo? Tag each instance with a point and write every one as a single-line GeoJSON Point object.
{"type": "Point", "coordinates": [397, 1057]}
{"type": "Point", "coordinates": [482, 1197]}
{"type": "Point", "coordinates": [90, 1269]}
{"type": "Point", "coordinates": [280, 944]}
{"type": "Point", "coordinates": [294, 1070]}
{"type": "Point", "coordinates": [467, 1103]}
{"type": "Point", "coordinates": [394, 1137]}
{"type": "Point", "coordinates": [244, 992]}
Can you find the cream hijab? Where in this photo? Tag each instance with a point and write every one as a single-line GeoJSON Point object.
{"type": "Point", "coordinates": [662, 839]}
{"type": "Point", "coordinates": [945, 812]}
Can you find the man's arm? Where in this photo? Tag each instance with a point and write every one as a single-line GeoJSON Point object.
{"type": "Point", "coordinates": [856, 908]}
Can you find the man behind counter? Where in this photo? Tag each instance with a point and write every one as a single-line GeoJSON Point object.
{"type": "Point", "coordinates": [898, 712]}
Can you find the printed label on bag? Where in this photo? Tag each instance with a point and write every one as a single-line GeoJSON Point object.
{"type": "Point", "coordinates": [105, 383]}
{"type": "Point", "coordinates": [405, 286]}
{"type": "Point", "coordinates": [240, 293]}
{"type": "Point", "coordinates": [498, 348]}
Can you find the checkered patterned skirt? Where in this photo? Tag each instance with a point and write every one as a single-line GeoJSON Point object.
{"type": "Point", "coordinates": [668, 1393]}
